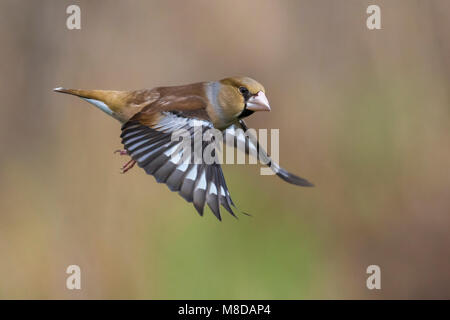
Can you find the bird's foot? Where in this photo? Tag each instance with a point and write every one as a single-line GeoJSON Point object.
{"type": "Point", "coordinates": [127, 166]}
{"type": "Point", "coordinates": [121, 152]}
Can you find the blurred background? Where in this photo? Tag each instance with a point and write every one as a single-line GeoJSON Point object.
{"type": "Point", "coordinates": [363, 114]}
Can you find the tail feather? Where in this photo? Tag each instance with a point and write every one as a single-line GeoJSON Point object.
{"type": "Point", "coordinates": [109, 97]}
{"type": "Point", "coordinates": [114, 103]}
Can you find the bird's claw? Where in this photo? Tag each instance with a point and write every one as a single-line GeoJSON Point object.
{"type": "Point", "coordinates": [121, 152]}
{"type": "Point", "coordinates": [127, 166]}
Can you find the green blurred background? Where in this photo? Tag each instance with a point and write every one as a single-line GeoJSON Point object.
{"type": "Point", "coordinates": [363, 114]}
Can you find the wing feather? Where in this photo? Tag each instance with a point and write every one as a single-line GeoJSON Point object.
{"type": "Point", "coordinates": [212, 197]}
{"type": "Point", "coordinates": [251, 143]}
{"type": "Point", "coordinates": [148, 140]}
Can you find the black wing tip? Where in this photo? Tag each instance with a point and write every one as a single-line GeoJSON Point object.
{"type": "Point", "coordinates": [228, 208]}
{"type": "Point", "coordinates": [199, 209]}
{"type": "Point", "coordinates": [306, 183]}
{"type": "Point", "coordinates": [215, 208]}
{"type": "Point", "coordinates": [293, 179]}
{"type": "Point", "coordinates": [301, 183]}
{"type": "Point", "coordinates": [247, 214]}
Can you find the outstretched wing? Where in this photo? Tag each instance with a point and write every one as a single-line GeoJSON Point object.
{"type": "Point", "coordinates": [148, 139]}
{"type": "Point", "coordinates": [239, 132]}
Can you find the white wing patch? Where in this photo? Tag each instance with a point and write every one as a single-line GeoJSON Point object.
{"type": "Point", "coordinates": [202, 182]}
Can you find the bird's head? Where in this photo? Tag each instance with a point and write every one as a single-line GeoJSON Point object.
{"type": "Point", "coordinates": [241, 96]}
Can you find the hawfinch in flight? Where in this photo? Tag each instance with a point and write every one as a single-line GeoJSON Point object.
{"type": "Point", "coordinates": [150, 116]}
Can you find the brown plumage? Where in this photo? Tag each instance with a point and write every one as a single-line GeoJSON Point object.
{"type": "Point", "coordinates": [149, 118]}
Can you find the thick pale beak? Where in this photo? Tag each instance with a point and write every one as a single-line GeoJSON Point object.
{"type": "Point", "coordinates": [258, 102]}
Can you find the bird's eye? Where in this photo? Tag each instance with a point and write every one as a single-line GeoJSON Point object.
{"type": "Point", "coordinates": [243, 91]}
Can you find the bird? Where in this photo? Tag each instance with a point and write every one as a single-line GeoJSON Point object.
{"type": "Point", "coordinates": [149, 117]}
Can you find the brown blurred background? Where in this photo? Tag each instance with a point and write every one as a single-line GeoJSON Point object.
{"type": "Point", "coordinates": [363, 114]}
